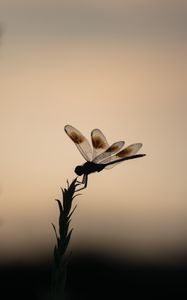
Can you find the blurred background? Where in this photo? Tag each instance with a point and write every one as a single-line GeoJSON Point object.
{"type": "Point", "coordinates": [115, 65]}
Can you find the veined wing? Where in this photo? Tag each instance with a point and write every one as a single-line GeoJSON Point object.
{"type": "Point", "coordinates": [127, 152]}
{"type": "Point", "coordinates": [80, 141]}
{"type": "Point", "coordinates": [114, 148]}
{"type": "Point", "coordinates": [99, 142]}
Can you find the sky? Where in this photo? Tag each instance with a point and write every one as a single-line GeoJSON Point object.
{"type": "Point", "coordinates": [115, 65]}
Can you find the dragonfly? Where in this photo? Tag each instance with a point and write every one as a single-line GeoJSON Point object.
{"type": "Point", "coordinates": [101, 155]}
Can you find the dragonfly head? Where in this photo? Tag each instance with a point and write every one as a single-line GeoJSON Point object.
{"type": "Point", "coordinates": [79, 170]}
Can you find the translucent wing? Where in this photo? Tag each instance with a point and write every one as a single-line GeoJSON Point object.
{"type": "Point", "coordinates": [99, 142]}
{"type": "Point", "coordinates": [114, 148]}
{"type": "Point", "coordinates": [80, 141]}
{"type": "Point", "coordinates": [128, 151]}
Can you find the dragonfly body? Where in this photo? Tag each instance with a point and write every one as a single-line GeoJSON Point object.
{"type": "Point", "coordinates": [101, 155]}
{"type": "Point", "coordinates": [88, 168]}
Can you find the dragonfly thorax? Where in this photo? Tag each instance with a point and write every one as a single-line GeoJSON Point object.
{"type": "Point", "coordinates": [88, 168]}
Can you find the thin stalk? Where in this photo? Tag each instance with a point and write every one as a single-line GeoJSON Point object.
{"type": "Point", "coordinates": [63, 235]}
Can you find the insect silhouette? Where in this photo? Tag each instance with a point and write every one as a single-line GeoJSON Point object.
{"type": "Point", "coordinates": [102, 156]}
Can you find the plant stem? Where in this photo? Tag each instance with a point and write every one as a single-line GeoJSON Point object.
{"type": "Point", "coordinates": [61, 259]}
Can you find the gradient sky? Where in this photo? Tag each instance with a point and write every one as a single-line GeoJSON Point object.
{"type": "Point", "coordinates": [115, 65]}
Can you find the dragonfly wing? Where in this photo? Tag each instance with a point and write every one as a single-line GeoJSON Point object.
{"type": "Point", "coordinates": [128, 151]}
{"type": "Point", "coordinates": [114, 148]}
{"type": "Point", "coordinates": [80, 141]}
{"type": "Point", "coordinates": [99, 142]}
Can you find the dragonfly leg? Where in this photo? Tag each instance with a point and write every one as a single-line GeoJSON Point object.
{"type": "Point", "coordinates": [84, 182]}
